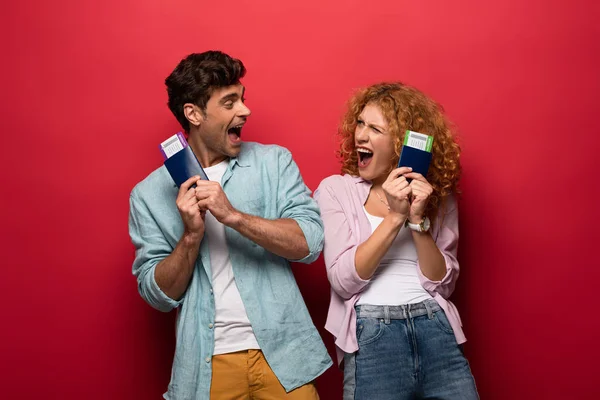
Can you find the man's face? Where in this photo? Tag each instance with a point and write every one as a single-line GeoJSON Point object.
{"type": "Point", "coordinates": [223, 120]}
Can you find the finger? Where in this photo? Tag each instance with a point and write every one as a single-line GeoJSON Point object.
{"type": "Point", "coordinates": [406, 193]}
{"type": "Point", "coordinates": [203, 194]}
{"type": "Point", "coordinates": [418, 185]}
{"type": "Point", "coordinates": [400, 192]}
{"type": "Point", "coordinates": [190, 207]}
{"type": "Point", "coordinates": [397, 184]}
{"type": "Point", "coordinates": [399, 181]}
{"type": "Point", "coordinates": [184, 202]}
{"type": "Point", "coordinates": [416, 176]}
{"type": "Point", "coordinates": [419, 194]}
{"type": "Point", "coordinates": [393, 181]}
{"type": "Point", "coordinates": [422, 186]}
{"type": "Point", "coordinates": [190, 194]}
{"type": "Point", "coordinates": [397, 172]}
{"type": "Point", "coordinates": [185, 186]}
{"type": "Point", "coordinates": [207, 188]}
{"type": "Point", "coordinates": [207, 184]}
{"type": "Point", "coordinates": [203, 204]}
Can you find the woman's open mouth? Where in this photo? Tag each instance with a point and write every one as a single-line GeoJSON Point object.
{"type": "Point", "coordinates": [364, 157]}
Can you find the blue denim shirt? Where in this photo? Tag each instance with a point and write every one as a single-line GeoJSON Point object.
{"type": "Point", "coordinates": [264, 181]}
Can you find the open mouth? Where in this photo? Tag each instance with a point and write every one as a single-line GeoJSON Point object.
{"type": "Point", "coordinates": [364, 157]}
{"type": "Point", "coordinates": [235, 132]}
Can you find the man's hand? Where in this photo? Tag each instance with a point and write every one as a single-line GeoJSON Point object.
{"type": "Point", "coordinates": [210, 196]}
{"type": "Point", "coordinates": [191, 214]}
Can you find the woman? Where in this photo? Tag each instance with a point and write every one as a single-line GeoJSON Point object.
{"type": "Point", "coordinates": [391, 237]}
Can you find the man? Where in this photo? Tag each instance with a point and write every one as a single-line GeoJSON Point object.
{"type": "Point", "coordinates": [220, 249]}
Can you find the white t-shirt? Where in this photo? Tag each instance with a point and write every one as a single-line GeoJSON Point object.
{"type": "Point", "coordinates": [395, 281]}
{"type": "Point", "coordinates": [233, 331]}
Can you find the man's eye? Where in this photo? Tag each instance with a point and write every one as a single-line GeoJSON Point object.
{"type": "Point", "coordinates": [360, 122]}
{"type": "Point", "coordinates": [229, 104]}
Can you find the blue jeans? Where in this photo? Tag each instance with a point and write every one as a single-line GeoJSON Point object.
{"type": "Point", "coordinates": [406, 352]}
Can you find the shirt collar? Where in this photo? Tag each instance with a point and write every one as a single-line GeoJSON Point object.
{"type": "Point", "coordinates": [242, 159]}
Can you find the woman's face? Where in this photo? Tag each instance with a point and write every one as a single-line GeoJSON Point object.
{"type": "Point", "coordinates": [374, 145]}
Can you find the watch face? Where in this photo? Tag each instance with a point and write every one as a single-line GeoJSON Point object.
{"type": "Point", "coordinates": [426, 224]}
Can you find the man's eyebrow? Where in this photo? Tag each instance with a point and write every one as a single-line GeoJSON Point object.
{"type": "Point", "coordinates": [229, 97]}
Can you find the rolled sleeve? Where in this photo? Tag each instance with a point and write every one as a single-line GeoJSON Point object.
{"type": "Point", "coordinates": [340, 245]}
{"type": "Point", "coordinates": [295, 202]}
{"type": "Point", "coordinates": [150, 248]}
{"type": "Point", "coordinates": [446, 239]}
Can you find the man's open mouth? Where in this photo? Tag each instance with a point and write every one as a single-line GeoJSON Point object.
{"type": "Point", "coordinates": [235, 132]}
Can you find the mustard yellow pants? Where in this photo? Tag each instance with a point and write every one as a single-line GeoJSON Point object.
{"type": "Point", "coordinates": [247, 375]}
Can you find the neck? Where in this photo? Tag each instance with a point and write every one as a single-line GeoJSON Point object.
{"type": "Point", "coordinates": [206, 157]}
{"type": "Point", "coordinates": [378, 182]}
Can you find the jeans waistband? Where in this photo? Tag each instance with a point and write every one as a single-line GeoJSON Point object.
{"type": "Point", "coordinates": [426, 307]}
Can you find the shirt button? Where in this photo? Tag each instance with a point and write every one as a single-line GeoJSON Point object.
{"type": "Point", "coordinates": [211, 291]}
{"type": "Point", "coordinates": [207, 359]}
{"type": "Point", "coordinates": [210, 326]}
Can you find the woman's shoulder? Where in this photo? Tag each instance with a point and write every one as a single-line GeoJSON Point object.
{"type": "Point", "coordinates": [343, 189]}
{"type": "Point", "coordinates": [338, 181]}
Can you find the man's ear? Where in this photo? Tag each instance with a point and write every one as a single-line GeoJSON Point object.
{"type": "Point", "coordinates": [193, 114]}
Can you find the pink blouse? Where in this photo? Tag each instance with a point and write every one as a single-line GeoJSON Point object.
{"type": "Point", "coordinates": [341, 199]}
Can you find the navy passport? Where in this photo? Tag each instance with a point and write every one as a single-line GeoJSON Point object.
{"type": "Point", "coordinates": [417, 159]}
{"type": "Point", "coordinates": [180, 160]}
{"type": "Point", "coordinates": [416, 152]}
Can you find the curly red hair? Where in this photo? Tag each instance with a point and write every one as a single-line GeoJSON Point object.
{"type": "Point", "coordinates": [406, 108]}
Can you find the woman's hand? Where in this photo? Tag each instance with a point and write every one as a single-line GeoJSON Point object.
{"type": "Point", "coordinates": [397, 191]}
{"type": "Point", "coordinates": [421, 190]}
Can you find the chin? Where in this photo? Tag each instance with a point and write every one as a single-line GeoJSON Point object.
{"type": "Point", "coordinates": [372, 175]}
{"type": "Point", "coordinates": [234, 152]}
{"type": "Point", "coordinates": [365, 175]}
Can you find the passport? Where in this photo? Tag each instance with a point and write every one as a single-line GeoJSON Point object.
{"type": "Point", "coordinates": [416, 152]}
{"type": "Point", "coordinates": [180, 160]}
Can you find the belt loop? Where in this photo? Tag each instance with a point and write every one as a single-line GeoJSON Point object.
{"type": "Point", "coordinates": [404, 316]}
{"type": "Point", "coordinates": [386, 314]}
{"type": "Point", "coordinates": [429, 310]}
{"type": "Point", "coordinates": [409, 314]}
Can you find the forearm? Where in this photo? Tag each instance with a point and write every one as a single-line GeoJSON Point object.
{"type": "Point", "coordinates": [282, 237]}
{"type": "Point", "coordinates": [430, 257]}
{"type": "Point", "coordinates": [173, 274]}
{"type": "Point", "coordinates": [371, 251]}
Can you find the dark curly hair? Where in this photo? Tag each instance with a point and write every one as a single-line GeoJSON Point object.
{"type": "Point", "coordinates": [406, 108]}
{"type": "Point", "coordinates": [196, 77]}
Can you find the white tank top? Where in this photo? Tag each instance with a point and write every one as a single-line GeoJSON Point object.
{"type": "Point", "coordinates": [395, 281]}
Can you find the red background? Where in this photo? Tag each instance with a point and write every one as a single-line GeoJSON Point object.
{"type": "Point", "coordinates": [84, 106]}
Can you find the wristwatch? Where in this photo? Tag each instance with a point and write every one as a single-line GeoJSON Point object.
{"type": "Point", "coordinates": [423, 226]}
